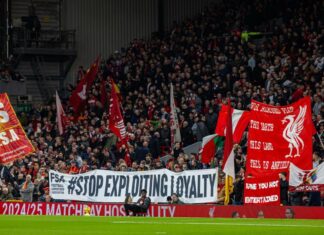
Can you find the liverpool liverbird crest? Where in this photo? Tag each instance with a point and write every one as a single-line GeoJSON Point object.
{"type": "Point", "coordinates": [292, 131]}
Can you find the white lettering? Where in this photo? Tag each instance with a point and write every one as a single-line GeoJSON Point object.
{"type": "Point", "coordinates": [254, 125]}
{"type": "Point", "coordinates": [255, 164]}
{"type": "Point", "coordinates": [4, 116]}
{"type": "Point", "coordinates": [265, 199]}
{"type": "Point", "coordinates": [267, 126]}
{"type": "Point", "coordinates": [254, 144]}
{"type": "Point", "coordinates": [251, 186]}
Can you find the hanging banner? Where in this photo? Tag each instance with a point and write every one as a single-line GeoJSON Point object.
{"type": "Point", "coordinates": [279, 135]}
{"type": "Point", "coordinates": [262, 190]}
{"type": "Point", "coordinates": [197, 186]}
{"type": "Point", "coordinates": [14, 143]}
{"type": "Point", "coordinates": [306, 180]}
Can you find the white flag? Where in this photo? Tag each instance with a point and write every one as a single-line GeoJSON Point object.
{"type": "Point", "coordinates": [303, 180]}
{"type": "Point", "coordinates": [60, 114]}
{"type": "Point", "coordinates": [175, 129]}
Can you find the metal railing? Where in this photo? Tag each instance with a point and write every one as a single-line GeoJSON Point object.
{"type": "Point", "coordinates": [58, 39]}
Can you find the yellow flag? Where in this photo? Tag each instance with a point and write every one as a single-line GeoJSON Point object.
{"type": "Point", "coordinates": [228, 188]}
{"type": "Point", "coordinates": [115, 86]}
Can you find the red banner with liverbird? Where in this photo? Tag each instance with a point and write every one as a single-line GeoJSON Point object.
{"type": "Point", "coordinates": [279, 135]}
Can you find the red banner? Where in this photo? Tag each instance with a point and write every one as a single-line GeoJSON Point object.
{"type": "Point", "coordinates": [167, 210]}
{"type": "Point", "coordinates": [265, 190]}
{"type": "Point", "coordinates": [14, 143]}
{"type": "Point", "coordinates": [116, 120]}
{"type": "Point", "coordinates": [279, 135]}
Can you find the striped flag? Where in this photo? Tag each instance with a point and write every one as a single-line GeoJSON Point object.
{"type": "Point", "coordinates": [209, 146]}
{"type": "Point", "coordinates": [240, 120]}
{"type": "Point", "coordinates": [228, 161]}
{"type": "Point", "coordinates": [210, 143]}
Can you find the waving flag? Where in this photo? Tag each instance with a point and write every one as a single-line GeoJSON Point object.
{"type": "Point", "coordinates": [60, 115]}
{"type": "Point", "coordinates": [116, 121]}
{"type": "Point", "coordinates": [240, 120]}
{"type": "Point", "coordinates": [210, 143]}
{"type": "Point", "coordinates": [306, 180]}
{"type": "Point", "coordinates": [116, 89]}
{"type": "Point", "coordinates": [79, 95]}
{"type": "Point", "coordinates": [279, 135]}
{"type": "Point", "coordinates": [209, 146]}
{"type": "Point", "coordinates": [228, 162]}
{"type": "Point", "coordinates": [14, 143]}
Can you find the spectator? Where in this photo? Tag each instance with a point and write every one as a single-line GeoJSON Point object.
{"type": "Point", "coordinates": [260, 214]}
{"type": "Point", "coordinates": [238, 190]}
{"type": "Point", "coordinates": [5, 195]}
{"type": "Point", "coordinates": [235, 215]}
{"type": "Point", "coordinates": [283, 188]}
{"type": "Point", "coordinates": [289, 213]}
{"type": "Point", "coordinates": [141, 206]}
{"type": "Point", "coordinates": [27, 189]}
{"type": "Point", "coordinates": [199, 129]}
{"type": "Point", "coordinates": [207, 63]}
{"type": "Point", "coordinates": [175, 199]}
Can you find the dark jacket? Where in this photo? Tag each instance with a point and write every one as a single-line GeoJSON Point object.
{"type": "Point", "coordinates": [154, 146]}
{"type": "Point", "coordinates": [144, 203]}
{"type": "Point", "coordinates": [284, 192]}
{"type": "Point", "coordinates": [186, 135]}
{"type": "Point", "coordinates": [238, 191]}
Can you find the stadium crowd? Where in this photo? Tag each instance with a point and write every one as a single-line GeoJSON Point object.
{"type": "Point", "coordinates": [7, 72]}
{"type": "Point", "coordinates": [207, 60]}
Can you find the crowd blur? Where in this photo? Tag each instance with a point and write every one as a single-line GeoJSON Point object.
{"type": "Point", "coordinates": [207, 60]}
{"type": "Point", "coordinates": [8, 73]}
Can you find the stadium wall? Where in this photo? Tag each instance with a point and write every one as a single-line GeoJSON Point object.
{"type": "Point", "coordinates": [178, 10]}
{"type": "Point", "coordinates": [103, 26]}
{"type": "Point", "coordinates": [161, 210]}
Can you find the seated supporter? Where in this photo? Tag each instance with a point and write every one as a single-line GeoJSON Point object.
{"type": "Point", "coordinates": [142, 205]}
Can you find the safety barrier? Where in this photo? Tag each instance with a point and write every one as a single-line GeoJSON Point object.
{"type": "Point", "coordinates": [162, 210]}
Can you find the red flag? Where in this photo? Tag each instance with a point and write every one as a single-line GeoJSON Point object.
{"type": "Point", "coordinates": [60, 115]}
{"type": "Point", "coordinates": [279, 135]}
{"type": "Point", "coordinates": [240, 120]}
{"type": "Point", "coordinates": [79, 95]}
{"type": "Point", "coordinates": [116, 121]}
{"type": "Point", "coordinates": [228, 162]}
{"type": "Point", "coordinates": [209, 146]}
{"type": "Point", "coordinates": [14, 143]}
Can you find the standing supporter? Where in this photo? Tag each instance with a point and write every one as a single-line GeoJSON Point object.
{"type": "Point", "coordinates": [26, 189]}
